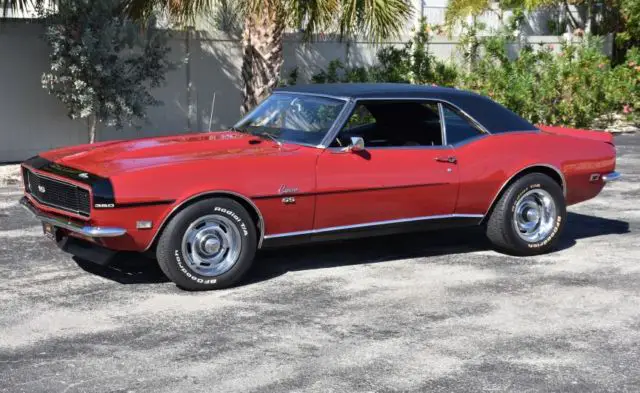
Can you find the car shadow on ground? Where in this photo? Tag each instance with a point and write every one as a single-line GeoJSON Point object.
{"type": "Point", "coordinates": [133, 268]}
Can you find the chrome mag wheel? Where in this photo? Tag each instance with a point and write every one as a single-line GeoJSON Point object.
{"type": "Point", "coordinates": [535, 215]}
{"type": "Point", "coordinates": [211, 245]}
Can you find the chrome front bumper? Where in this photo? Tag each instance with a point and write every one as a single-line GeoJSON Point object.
{"type": "Point", "coordinates": [60, 222]}
{"type": "Point", "coordinates": [611, 176]}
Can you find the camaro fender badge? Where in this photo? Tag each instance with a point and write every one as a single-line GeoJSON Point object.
{"type": "Point", "coordinates": [287, 190]}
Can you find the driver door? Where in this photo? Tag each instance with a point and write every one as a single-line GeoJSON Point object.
{"type": "Point", "coordinates": [404, 174]}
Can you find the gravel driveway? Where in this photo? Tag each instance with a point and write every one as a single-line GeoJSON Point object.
{"type": "Point", "coordinates": [426, 313]}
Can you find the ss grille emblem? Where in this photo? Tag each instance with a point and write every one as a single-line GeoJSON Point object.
{"type": "Point", "coordinates": [42, 189]}
{"type": "Point", "coordinates": [83, 175]}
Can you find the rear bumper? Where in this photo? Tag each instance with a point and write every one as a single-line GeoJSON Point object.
{"type": "Point", "coordinates": [84, 230]}
{"type": "Point", "coordinates": [611, 176]}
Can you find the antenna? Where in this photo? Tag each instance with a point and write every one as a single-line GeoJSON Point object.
{"type": "Point", "coordinates": [213, 103]}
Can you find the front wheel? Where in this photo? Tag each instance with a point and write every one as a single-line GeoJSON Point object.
{"type": "Point", "coordinates": [208, 245]}
{"type": "Point", "coordinates": [529, 216]}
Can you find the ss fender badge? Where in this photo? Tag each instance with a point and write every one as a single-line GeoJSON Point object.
{"type": "Point", "coordinates": [104, 205]}
{"type": "Point", "coordinates": [288, 200]}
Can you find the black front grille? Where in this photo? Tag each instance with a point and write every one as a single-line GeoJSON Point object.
{"type": "Point", "coordinates": [58, 194]}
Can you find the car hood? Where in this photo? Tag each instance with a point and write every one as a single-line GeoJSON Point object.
{"type": "Point", "coordinates": [108, 158]}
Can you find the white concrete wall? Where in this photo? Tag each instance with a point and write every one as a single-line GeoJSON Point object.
{"type": "Point", "coordinates": [32, 121]}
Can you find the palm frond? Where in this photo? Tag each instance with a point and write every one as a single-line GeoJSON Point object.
{"type": "Point", "coordinates": [181, 10]}
{"type": "Point", "coordinates": [376, 19]}
{"type": "Point", "coordinates": [460, 9]}
{"type": "Point", "coordinates": [314, 15]}
{"type": "Point", "coordinates": [19, 5]}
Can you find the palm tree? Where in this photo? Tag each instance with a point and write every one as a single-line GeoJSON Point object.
{"type": "Point", "coordinates": [265, 22]}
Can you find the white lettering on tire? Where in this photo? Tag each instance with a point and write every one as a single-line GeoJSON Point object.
{"type": "Point", "coordinates": [550, 237]}
{"type": "Point", "coordinates": [233, 215]}
{"type": "Point", "coordinates": [187, 273]}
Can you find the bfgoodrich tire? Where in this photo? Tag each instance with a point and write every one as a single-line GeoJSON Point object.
{"type": "Point", "coordinates": [529, 217]}
{"type": "Point", "coordinates": [208, 245]}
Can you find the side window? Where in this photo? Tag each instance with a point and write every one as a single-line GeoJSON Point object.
{"type": "Point", "coordinates": [360, 117]}
{"type": "Point", "coordinates": [393, 124]}
{"type": "Point", "coordinates": [458, 127]}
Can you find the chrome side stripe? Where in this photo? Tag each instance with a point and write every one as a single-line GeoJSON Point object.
{"type": "Point", "coordinates": [372, 224]}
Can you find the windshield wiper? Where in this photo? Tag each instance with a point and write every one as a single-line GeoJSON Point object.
{"type": "Point", "coordinates": [269, 135]}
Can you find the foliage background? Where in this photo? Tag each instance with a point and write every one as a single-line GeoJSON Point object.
{"type": "Point", "coordinates": [102, 65]}
{"type": "Point", "coordinates": [577, 86]}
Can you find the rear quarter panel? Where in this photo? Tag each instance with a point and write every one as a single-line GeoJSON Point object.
{"type": "Point", "coordinates": [488, 163]}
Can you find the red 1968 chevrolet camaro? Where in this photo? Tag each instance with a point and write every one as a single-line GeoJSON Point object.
{"type": "Point", "coordinates": [318, 162]}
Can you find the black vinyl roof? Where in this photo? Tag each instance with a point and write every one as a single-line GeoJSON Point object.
{"type": "Point", "coordinates": [493, 116]}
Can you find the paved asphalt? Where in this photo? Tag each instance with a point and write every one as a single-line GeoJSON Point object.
{"type": "Point", "coordinates": [434, 312]}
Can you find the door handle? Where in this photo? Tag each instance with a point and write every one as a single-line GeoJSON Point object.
{"type": "Point", "coordinates": [449, 159]}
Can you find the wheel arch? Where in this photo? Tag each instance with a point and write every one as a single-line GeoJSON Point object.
{"type": "Point", "coordinates": [247, 203]}
{"type": "Point", "coordinates": [546, 169]}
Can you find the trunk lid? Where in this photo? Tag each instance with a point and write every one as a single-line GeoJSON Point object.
{"type": "Point", "coordinates": [578, 133]}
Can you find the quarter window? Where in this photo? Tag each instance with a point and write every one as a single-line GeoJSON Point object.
{"type": "Point", "coordinates": [459, 128]}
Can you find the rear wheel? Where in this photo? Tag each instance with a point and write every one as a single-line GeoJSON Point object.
{"type": "Point", "coordinates": [208, 245]}
{"type": "Point", "coordinates": [529, 216]}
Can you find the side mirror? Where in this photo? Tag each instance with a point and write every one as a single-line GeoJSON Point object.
{"type": "Point", "coordinates": [357, 144]}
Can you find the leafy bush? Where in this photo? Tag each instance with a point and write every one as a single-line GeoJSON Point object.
{"type": "Point", "coordinates": [622, 89]}
{"type": "Point", "coordinates": [572, 88]}
{"type": "Point", "coordinates": [101, 65]}
{"type": "Point", "coordinates": [412, 63]}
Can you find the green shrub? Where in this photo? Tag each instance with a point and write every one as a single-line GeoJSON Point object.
{"type": "Point", "coordinates": [411, 63]}
{"type": "Point", "coordinates": [574, 87]}
{"type": "Point", "coordinates": [622, 89]}
{"type": "Point", "coordinates": [102, 66]}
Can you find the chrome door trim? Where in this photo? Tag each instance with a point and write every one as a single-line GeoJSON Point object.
{"type": "Point", "coordinates": [439, 147]}
{"type": "Point", "coordinates": [443, 125]}
{"type": "Point", "coordinates": [373, 224]}
{"type": "Point", "coordinates": [437, 100]}
{"type": "Point", "coordinates": [337, 125]}
{"type": "Point", "coordinates": [205, 193]}
{"type": "Point", "coordinates": [350, 104]}
{"type": "Point", "coordinates": [283, 92]}
{"type": "Point", "coordinates": [335, 129]}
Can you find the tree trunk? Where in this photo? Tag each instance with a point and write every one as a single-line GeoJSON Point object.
{"type": "Point", "coordinates": [262, 53]}
{"type": "Point", "coordinates": [572, 19]}
{"type": "Point", "coordinates": [590, 23]}
{"type": "Point", "coordinates": [93, 128]}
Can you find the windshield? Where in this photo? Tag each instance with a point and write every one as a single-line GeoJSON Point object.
{"type": "Point", "coordinates": [292, 118]}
